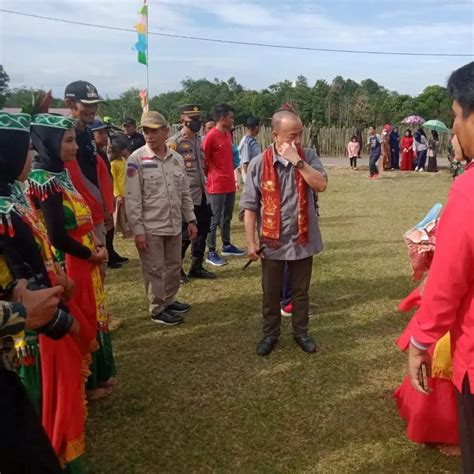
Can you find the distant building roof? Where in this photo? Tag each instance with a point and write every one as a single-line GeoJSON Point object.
{"type": "Point", "coordinates": [17, 110]}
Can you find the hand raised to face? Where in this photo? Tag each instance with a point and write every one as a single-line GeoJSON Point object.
{"type": "Point", "coordinates": [289, 152]}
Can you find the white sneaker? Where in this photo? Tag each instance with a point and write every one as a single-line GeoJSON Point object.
{"type": "Point", "coordinates": [421, 170]}
{"type": "Point", "coordinates": [417, 169]}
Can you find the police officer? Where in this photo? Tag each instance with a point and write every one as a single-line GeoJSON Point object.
{"type": "Point", "coordinates": [135, 139]}
{"type": "Point", "coordinates": [157, 199]}
{"type": "Point", "coordinates": [187, 143]}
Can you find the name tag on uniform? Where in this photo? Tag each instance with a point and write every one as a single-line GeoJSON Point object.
{"type": "Point", "coordinates": [149, 162]}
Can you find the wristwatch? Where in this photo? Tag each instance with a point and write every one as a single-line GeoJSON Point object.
{"type": "Point", "coordinates": [299, 164]}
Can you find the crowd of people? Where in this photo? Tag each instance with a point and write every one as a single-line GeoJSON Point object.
{"type": "Point", "coordinates": [62, 181]}
{"type": "Point", "coordinates": [408, 153]}
{"type": "Point", "coordinates": [53, 234]}
{"type": "Point", "coordinates": [69, 184]}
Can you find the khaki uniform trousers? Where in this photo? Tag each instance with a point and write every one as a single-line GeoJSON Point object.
{"type": "Point", "coordinates": [161, 267]}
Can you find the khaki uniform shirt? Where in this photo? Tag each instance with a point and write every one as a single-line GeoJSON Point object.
{"type": "Point", "coordinates": [157, 193]}
{"type": "Point", "coordinates": [191, 151]}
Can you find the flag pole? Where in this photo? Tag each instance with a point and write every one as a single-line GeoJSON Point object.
{"type": "Point", "coordinates": [147, 55]}
{"type": "Point", "coordinates": [143, 50]}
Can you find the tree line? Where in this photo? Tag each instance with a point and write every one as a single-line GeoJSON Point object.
{"type": "Point", "coordinates": [340, 103]}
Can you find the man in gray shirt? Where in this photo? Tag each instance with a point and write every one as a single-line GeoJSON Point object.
{"type": "Point", "coordinates": [248, 150]}
{"type": "Point", "coordinates": [248, 146]}
{"type": "Point", "coordinates": [278, 198]}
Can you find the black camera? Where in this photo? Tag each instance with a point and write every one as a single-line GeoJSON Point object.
{"type": "Point", "coordinates": [59, 325]}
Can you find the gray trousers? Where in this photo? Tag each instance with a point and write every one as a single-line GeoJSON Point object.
{"type": "Point", "coordinates": [222, 206]}
{"type": "Point", "coordinates": [272, 284]}
{"type": "Point", "coordinates": [161, 267]}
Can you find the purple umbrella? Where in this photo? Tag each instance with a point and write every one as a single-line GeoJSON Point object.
{"type": "Point", "coordinates": [413, 120]}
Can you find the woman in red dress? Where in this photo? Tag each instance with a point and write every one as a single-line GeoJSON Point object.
{"type": "Point", "coordinates": [433, 419]}
{"type": "Point", "coordinates": [430, 419]}
{"type": "Point", "coordinates": [407, 152]}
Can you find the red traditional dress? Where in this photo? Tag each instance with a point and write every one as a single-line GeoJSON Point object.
{"type": "Point", "coordinates": [90, 295]}
{"type": "Point", "coordinates": [407, 154]}
{"type": "Point", "coordinates": [432, 418]}
{"type": "Point", "coordinates": [62, 371]}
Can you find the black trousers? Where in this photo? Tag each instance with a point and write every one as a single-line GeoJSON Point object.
{"type": "Point", "coordinates": [24, 445]}
{"type": "Point", "coordinates": [203, 216]}
{"type": "Point", "coordinates": [272, 284]}
{"type": "Point", "coordinates": [395, 158]}
{"type": "Point", "coordinates": [109, 244]}
{"type": "Point", "coordinates": [465, 401]}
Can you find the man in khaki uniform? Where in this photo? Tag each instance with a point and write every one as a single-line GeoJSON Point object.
{"type": "Point", "coordinates": [187, 143]}
{"type": "Point", "coordinates": [158, 198]}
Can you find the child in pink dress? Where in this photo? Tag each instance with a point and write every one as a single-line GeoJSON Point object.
{"type": "Point", "coordinates": [353, 149]}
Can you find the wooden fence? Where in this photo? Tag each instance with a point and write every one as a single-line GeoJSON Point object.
{"type": "Point", "coordinates": [329, 141]}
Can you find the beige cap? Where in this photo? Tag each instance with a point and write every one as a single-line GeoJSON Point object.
{"type": "Point", "coordinates": [153, 120]}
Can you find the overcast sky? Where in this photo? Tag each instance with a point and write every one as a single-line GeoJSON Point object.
{"type": "Point", "coordinates": [47, 54]}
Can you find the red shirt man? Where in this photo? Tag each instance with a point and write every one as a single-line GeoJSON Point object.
{"type": "Point", "coordinates": [217, 147]}
{"type": "Point", "coordinates": [448, 299]}
{"type": "Point", "coordinates": [221, 187]}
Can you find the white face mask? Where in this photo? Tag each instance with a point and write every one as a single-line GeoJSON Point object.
{"type": "Point", "coordinates": [280, 158]}
{"type": "Point", "coordinates": [283, 161]}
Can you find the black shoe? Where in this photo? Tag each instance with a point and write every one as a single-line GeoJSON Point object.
{"type": "Point", "coordinates": [201, 273]}
{"type": "Point", "coordinates": [306, 343]}
{"type": "Point", "coordinates": [120, 259]}
{"type": "Point", "coordinates": [113, 265]}
{"type": "Point", "coordinates": [178, 308]}
{"type": "Point", "coordinates": [198, 271]}
{"type": "Point", "coordinates": [183, 278]}
{"type": "Point", "coordinates": [167, 318]}
{"type": "Point", "coordinates": [266, 345]}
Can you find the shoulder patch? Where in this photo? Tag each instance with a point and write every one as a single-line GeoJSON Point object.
{"type": "Point", "coordinates": [132, 170]}
{"type": "Point", "coordinates": [172, 145]}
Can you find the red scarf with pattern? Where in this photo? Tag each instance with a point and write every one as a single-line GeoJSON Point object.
{"type": "Point", "coordinates": [271, 202]}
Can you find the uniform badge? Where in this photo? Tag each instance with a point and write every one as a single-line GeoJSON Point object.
{"type": "Point", "coordinates": [186, 150]}
{"type": "Point", "coordinates": [148, 162]}
{"type": "Point", "coordinates": [172, 146]}
{"type": "Point", "coordinates": [132, 170]}
{"type": "Point", "coordinates": [176, 162]}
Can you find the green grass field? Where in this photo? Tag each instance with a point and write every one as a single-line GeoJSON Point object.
{"type": "Point", "coordinates": [196, 398]}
